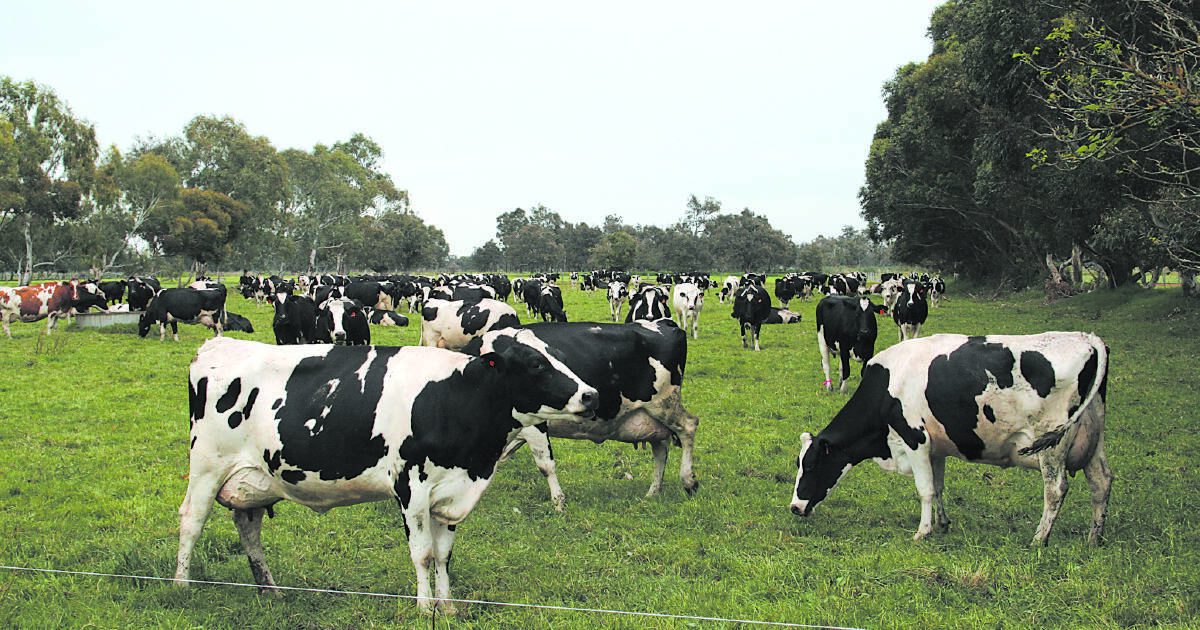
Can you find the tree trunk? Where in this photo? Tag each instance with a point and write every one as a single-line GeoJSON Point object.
{"type": "Point", "coordinates": [1077, 266]}
{"type": "Point", "coordinates": [1187, 280]}
{"type": "Point", "coordinates": [27, 273]}
{"type": "Point", "coordinates": [1055, 276]}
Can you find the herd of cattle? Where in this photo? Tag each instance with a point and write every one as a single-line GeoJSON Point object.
{"type": "Point", "coordinates": [326, 419]}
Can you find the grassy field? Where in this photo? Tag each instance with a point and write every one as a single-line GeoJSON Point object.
{"type": "Point", "coordinates": [93, 465]}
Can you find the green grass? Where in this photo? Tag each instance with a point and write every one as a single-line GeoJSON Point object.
{"type": "Point", "coordinates": [93, 465]}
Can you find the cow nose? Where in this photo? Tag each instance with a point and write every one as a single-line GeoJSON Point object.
{"type": "Point", "coordinates": [589, 399]}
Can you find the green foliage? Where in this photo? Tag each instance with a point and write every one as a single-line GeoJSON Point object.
{"type": "Point", "coordinates": [93, 475]}
{"type": "Point", "coordinates": [200, 226]}
{"type": "Point", "coordinates": [618, 250]}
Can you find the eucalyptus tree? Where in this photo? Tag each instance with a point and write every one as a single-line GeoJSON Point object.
{"type": "Point", "coordinates": [128, 191]}
{"type": "Point", "coordinates": [747, 242]}
{"type": "Point", "coordinates": [54, 155]}
{"type": "Point", "coordinates": [199, 226]}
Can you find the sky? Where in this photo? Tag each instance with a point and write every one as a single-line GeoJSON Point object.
{"type": "Point", "coordinates": [589, 109]}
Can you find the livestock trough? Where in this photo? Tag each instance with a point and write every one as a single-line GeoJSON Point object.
{"type": "Point", "coordinates": [98, 320]}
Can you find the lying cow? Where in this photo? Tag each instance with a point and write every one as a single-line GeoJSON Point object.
{"type": "Point", "coordinates": [187, 305]}
{"type": "Point", "coordinates": [637, 369]}
{"type": "Point", "coordinates": [1034, 401]}
{"type": "Point", "coordinates": [453, 324]}
{"type": "Point", "coordinates": [327, 426]}
{"type": "Point", "coordinates": [781, 316]}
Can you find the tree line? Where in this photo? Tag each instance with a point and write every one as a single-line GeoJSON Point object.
{"type": "Point", "coordinates": [1041, 138]}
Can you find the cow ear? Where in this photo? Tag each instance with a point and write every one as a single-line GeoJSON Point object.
{"type": "Point", "coordinates": [493, 360]}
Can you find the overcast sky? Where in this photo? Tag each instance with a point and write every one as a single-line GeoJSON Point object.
{"type": "Point", "coordinates": [589, 109]}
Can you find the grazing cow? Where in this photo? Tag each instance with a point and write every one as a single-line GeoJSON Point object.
{"type": "Point", "coordinates": [751, 305]}
{"type": "Point", "coordinates": [728, 287]}
{"type": "Point", "coordinates": [237, 323]}
{"type": "Point", "coordinates": [1034, 401]}
{"type": "Point", "coordinates": [688, 300]}
{"type": "Point", "coordinates": [295, 320]}
{"type": "Point", "coordinates": [331, 426]}
{"type": "Point", "coordinates": [649, 304]}
{"type": "Point", "coordinates": [910, 309]}
{"type": "Point", "coordinates": [184, 304]}
{"type": "Point", "coordinates": [618, 295]}
{"type": "Point", "coordinates": [637, 370]}
{"type": "Point", "coordinates": [342, 321]}
{"type": "Point", "coordinates": [846, 325]}
{"type": "Point", "coordinates": [781, 316]}
{"type": "Point", "coordinates": [452, 324]}
{"type": "Point", "coordinates": [380, 317]}
{"type": "Point", "coordinates": [550, 304]}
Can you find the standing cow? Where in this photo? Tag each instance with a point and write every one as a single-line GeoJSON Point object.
{"type": "Point", "coordinates": [910, 309]}
{"type": "Point", "coordinates": [327, 426]}
{"type": "Point", "coordinates": [618, 295]}
{"type": "Point", "coordinates": [637, 370]}
{"type": "Point", "coordinates": [1034, 401]}
{"type": "Point", "coordinates": [342, 321]}
{"type": "Point", "coordinates": [184, 304]}
{"type": "Point", "coordinates": [751, 307]}
{"type": "Point", "coordinates": [688, 301]}
{"type": "Point", "coordinates": [847, 326]}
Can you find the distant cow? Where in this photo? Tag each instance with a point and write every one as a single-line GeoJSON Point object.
{"type": "Point", "coordinates": [782, 316]}
{"type": "Point", "coordinates": [452, 324]}
{"type": "Point", "coordinates": [649, 304]}
{"type": "Point", "coordinates": [550, 304]}
{"type": "Point", "coordinates": [728, 287]}
{"type": "Point", "coordinates": [637, 369]}
{"type": "Point", "coordinates": [618, 295]}
{"type": "Point", "coordinates": [141, 291]}
{"type": "Point", "coordinates": [51, 301]}
{"type": "Point", "coordinates": [911, 309]}
{"type": "Point", "coordinates": [113, 290]}
{"type": "Point", "coordinates": [342, 321]}
{"type": "Point", "coordinates": [237, 323]}
{"type": "Point", "coordinates": [847, 326]}
{"type": "Point", "coordinates": [295, 320]}
{"type": "Point", "coordinates": [1034, 401]}
{"type": "Point", "coordinates": [331, 426]}
{"type": "Point", "coordinates": [688, 300]}
{"type": "Point", "coordinates": [187, 305]}
{"type": "Point", "coordinates": [751, 306]}
{"type": "Point", "coordinates": [369, 293]}
{"type": "Point", "coordinates": [380, 317]}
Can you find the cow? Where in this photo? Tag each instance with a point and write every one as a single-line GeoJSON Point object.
{"type": "Point", "coordinates": [369, 293]}
{"type": "Point", "coordinates": [728, 287]}
{"type": "Point", "coordinates": [550, 304]}
{"type": "Point", "coordinates": [452, 324]}
{"type": "Point", "coordinates": [51, 301]}
{"type": "Point", "coordinates": [327, 426]}
{"type": "Point", "coordinates": [113, 290]}
{"type": "Point", "coordinates": [1034, 401]}
{"type": "Point", "coordinates": [751, 305]}
{"type": "Point", "coordinates": [847, 326]}
{"type": "Point", "coordinates": [651, 303]}
{"type": "Point", "coordinates": [937, 289]}
{"type": "Point", "coordinates": [785, 290]}
{"type": "Point", "coordinates": [187, 305]}
{"type": "Point", "coordinates": [910, 309]}
{"type": "Point", "coordinates": [618, 295]}
{"type": "Point", "coordinates": [295, 320]}
{"type": "Point", "coordinates": [637, 370]}
{"type": "Point", "coordinates": [688, 300]}
{"type": "Point", "coordinates": [781, 316]}
{"type": "Point", "coordinates": [342, 321]}
{"type": "Point", "coordinates": [380, 317]}
{"type": "Point", "coordinates": [141, 291]}
{"type": "Point", "coordinates": [472, 292]}
{"type": "Point", "coordinates": [237, 323]}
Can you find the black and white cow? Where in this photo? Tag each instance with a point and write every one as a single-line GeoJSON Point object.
{"type": "Point", "coordinates": [651, 303]}
{"type": "Point", "coordinates": [342, 321]}
{"type": "Point", "coordinates": [237, 323]}
{"type": "Point", "coordinates": [451, 324]}
{"type": "Point", "coordinates": [637, 370]}
{"type": "Point", "coordinates": [331, 426]}
{"type": "Point", "coordinates": [113, 290]}
{"type": "Point", "coordinates": [782, 316]}
{"type": "Point", "coordinates": [550, 304]}
{"type": "Point", "coordinates": [187, 305]}
{"type": "Point", "coordinates": [688, 300]}
{"type": "Point", "coordinates": [369, 293]}
{"type": "Point", "coordinates": [847, 326]}
{"type": "Point", "coordinates": [785, 290]}
{"type": "Point", "coordinates": [618, 295]}
{"type": "Point", "coordinates": [141, 291]}
{"type": "Point", "coordinates": [380, 317]}
{"type": "Point", "coordinates": [295, 320]}
{"type": "Point", "coordinates": [729, 286]}
{"type": "Point", "coordinates": [937, 289]}
{"type": "Point", "coordinates": [751, 306]}
{"type": "Point", "coordinates": [910, 309]}
{"type": "Point", "coordinates": [1034, 401]}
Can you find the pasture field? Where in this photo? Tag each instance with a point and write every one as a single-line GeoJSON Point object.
{"type": "Point", "coordinates": [93, 466]}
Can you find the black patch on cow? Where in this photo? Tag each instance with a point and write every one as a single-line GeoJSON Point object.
{"type": "Point", "coordinates": [278, 402]}
{"type": "Point", "coordinates": [472, 318]}
{"type": "Point", "coordinates": [272, 460]}
{"type": "Point", "coordinates": [197, 398]}
{"type": "Point", "coordinates": [462, 421]}
{"type": "Point", "coordinates": [341, 443]}
{"type": "Point", "coordinates": [250, 402]}
{"type": "Point", "coordinates": [1087, 377]}
{"type": "Point", "coordinates": [293, 476]}
{"type": "Point", "coordinates": [956, 379]}
{"type": "Point", "coordinates": [235, 419]}
{"type": "Point", "coordinates": [989, 413]}
{"type": "Point", "coordinates": [227, 400]}
{"type": "Point", "coordinates": [1038, 371]}
{"type": "Point", "coordinates": [193, 443]}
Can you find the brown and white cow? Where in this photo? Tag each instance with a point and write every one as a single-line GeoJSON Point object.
{"type": "Point", "coordinates": [1034, 401]}
{"type": "Point", "coordinates": [51, 301]}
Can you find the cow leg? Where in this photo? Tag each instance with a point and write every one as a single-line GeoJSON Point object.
{"type": "Point", "coordinates": [1054, 475]}
{"type": "Point", "coordinates": [197, 503]}
{"type": "Point", "coordinates": [4, 320]}
{"type": "Point", "coordinates": [683, 425]}
{"type": "Point", "coordinates": [249, 526]}
{"type": "Point", "coordinates": [824, 347]}
{"type": "Point", "coordinates": [420, 546]}
{"type": "Point", "coordinates": [927, 488]}
{"type": "Point", "coordinates": [175, 330]}
{"type": "Point", "coordinates": [443, 546]}
{"type": "Point", "coordinates": [539, 445]}
{"type": "Point", "coordinates": [938, 468]}
{"type": "Point", "coordinates": [755, 329]}
{"type": "Point", "coordinates": [844, 371]}
{"type": "Point", "coordinates": [1099, 477]}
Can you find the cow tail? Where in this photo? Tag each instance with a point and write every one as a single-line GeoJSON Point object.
{"type": "Point", "coordinates": [1099, 387]}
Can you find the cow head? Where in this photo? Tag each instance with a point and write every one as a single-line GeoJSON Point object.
{"type": "Point", "coordinates": [342, 321]}
{"type": "Point", "coordinates": [821, 465]}
{"type": "Point", "coordinates": [544, 388]}
{"type": "Point", "coordinates": [866, 329]}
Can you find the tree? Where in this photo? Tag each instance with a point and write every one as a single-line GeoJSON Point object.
{"type": "Point", "coordinates": [198, 226]}
{"type": "Point", "coordinates": [397, 240]}
{"type": "Point", "coordinates": [617, 250]}
{"type": "Point", "coordinates": [55, 158]}
{"type": "Point", "coordinates": [128, 191]}
{"type": "Point", "coordinates": [487, 257]}
{"type": "Point", "coordinates": [699, 214]}
{"type": "Point", "coordinates": [747, 242]}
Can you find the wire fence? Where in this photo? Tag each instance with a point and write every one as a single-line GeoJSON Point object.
{"type": "Point", "coordinates": [565, 609]}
